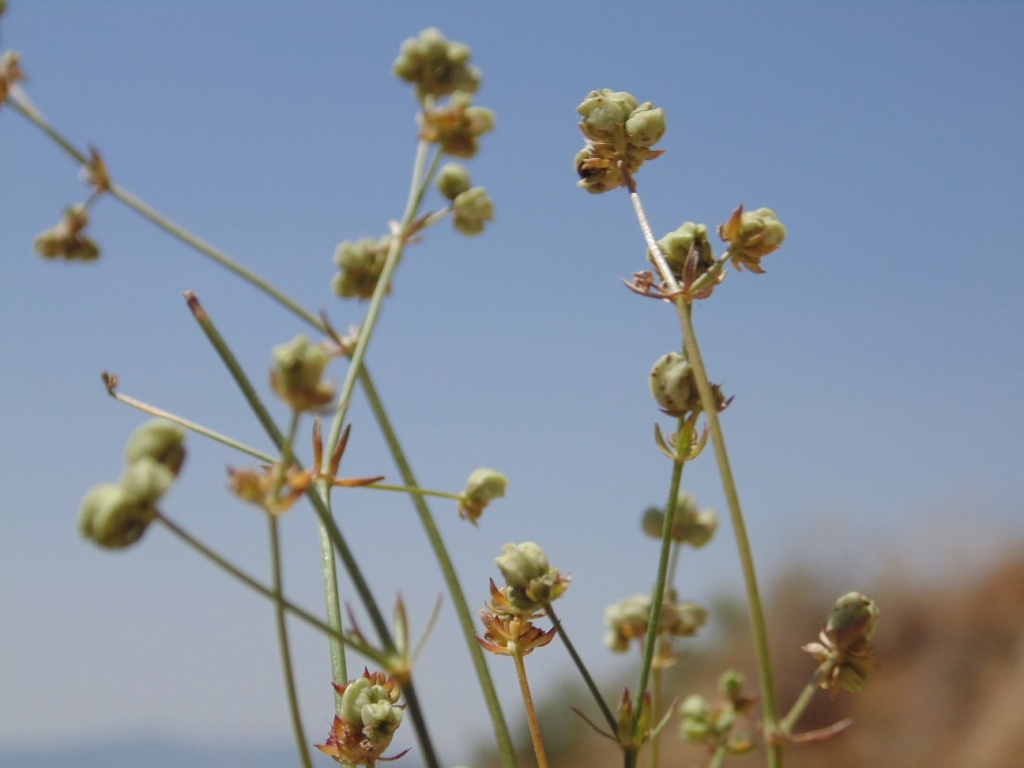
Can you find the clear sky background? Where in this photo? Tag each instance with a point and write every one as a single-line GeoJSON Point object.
{"type": "Point", "coordinates": [876, 367]}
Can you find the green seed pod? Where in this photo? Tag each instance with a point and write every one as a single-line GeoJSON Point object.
{"type": "Point", "coordinates": [646, 125]}
{"type": "Point", "coordinates": [605, 113]}
{"type": "Point", "coordinates": [471, 209]}
{"type": "Point", "coordinates": [361, 263]}
{"type": "Point", "coordinates": [145, 480]}
{"type": "Point", "coordinates": [673, 386]}
{"type": "Point", "coordinates": [853, 618]}
{"type": "Point", "coordinates": [436, 66]}
{"type": "Point", "coordinates": [110, 519]}
{"type": "Point", "coordinates": [452, 180]}
{"type": "Point", "coordinates": [522, 563]}
{"type": "Point", "coordinates": [751, 236]}
{"type": "Point", "coordinates": [730, 684]}
{"type": "Point", "coordinates": [159, 440]}
{"type": "Point", "coordinates": [676, 247]}
{"type": "Point", "coordinates": [296, 372]}
{"type": "Point", "coordinates": [652, 522]}
{"type": "Point", "coordinates": [703, 528]}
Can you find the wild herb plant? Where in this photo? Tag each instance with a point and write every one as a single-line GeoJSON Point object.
{"type": "Point", "coordinates": [620, 135]}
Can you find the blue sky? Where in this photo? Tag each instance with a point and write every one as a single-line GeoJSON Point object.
{"type": "Point", "coordinates": [875, 367]}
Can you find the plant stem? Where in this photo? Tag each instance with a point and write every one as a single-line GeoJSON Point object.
{"type": "Point", "coordinates": [282, 639]}
{"type": "Point", "coordinates": [501, 732]}
{"type": "Point", "coordinates": [800, 705]}
{"type": "Point", "coordinates": [658, 594]}
{"type": "Point", "coordinates": [531, 713]}
{"type": "Point", "coordinates": [710, 408]}
{"type": "Point", "coordinates": [591, 685]}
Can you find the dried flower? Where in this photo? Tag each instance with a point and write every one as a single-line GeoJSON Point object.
{"type": "Point", "coordinates": [10, 73]}
{"type": "Point", "coordinates": [456, 126]}
{"type": "Point", "coordinates": [752, 236]}
{"type": "Point", "coordinates": [844, 652]}
{"type": "Point", "coordinates": [66, 239]}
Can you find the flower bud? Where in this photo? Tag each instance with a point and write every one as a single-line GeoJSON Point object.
{"type": "Point", "coordinates": [296, 372]}
{"type": "Point", "coordinates": [159, 440]}
{"type": "Point", "coordinates": [605, 113]}
{"type": "Point", "coordinates": [112, 520]}
{"type": "Point", "coordinates": [751, 236]}
{"type": "Point", "coordinates": [452, 180]}
{"type": "Point", "coordinates": [676, 246]}
{"type": "Point", "coordinates": [145, 480]}
{"type": "Point", "coordinates": [435, 65]}
{"type": "Point", "coordinates": [645, 125]}
{"type": "Point", "coordinates": [483, 486]}
{"type": "Point", "coordinates": [853, 618]}
{"type": "Point", "coordinates": [673, 386]}
{"type": "Point", "coordinates": [471, 209]}
{"type": "Point", "coordinates": [531, 582]}
{"type": "Point", "coordinates": [361, 263]}
{"type": "Point", "coordinates": [695, 714]}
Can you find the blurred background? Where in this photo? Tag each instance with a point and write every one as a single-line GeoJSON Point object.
{"type": "Point", "coordinates": [875, 432]}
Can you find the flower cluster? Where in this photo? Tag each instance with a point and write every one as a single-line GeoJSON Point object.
{"type": "Point", "coordinates": [752, 236]}
{"type": "Point", "coordinates": [368, 717]}
{"type": "Point", "coordinates": [530, 580]}
{"type": "Point", "coordinates": [361, 263]}
{"type": "Point", "coordinates": [702, 723]}
{"type": "Point", "coordinates": [66, 239]}
{"type": "Point", "coordinates": [688, 525]}
{"type": "Point", "coordinates": [844, 652]}
{"type": "Point", "coordinates": [629, 619]}
{"type": "Point", "coordinates": [436, 66]}
{"type": "Point", "coordinates": [115, 515]}
{"type": "Point", "coordinates": [619, 134]}
{"type": "Point", "coordinates": [296, 373]}
{"type": "Point", "coordinates": [456, 126]}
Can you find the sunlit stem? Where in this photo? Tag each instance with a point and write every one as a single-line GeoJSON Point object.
{"type": "Point", "coordinates": [800, 705]}
{"type": "Point", "coordinates": [710, 408]}
{"type": "Point", "coordinates": [531, 712]}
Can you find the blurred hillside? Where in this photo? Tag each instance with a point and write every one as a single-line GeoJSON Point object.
{"type": "Point", "coordinates": [949, 690]}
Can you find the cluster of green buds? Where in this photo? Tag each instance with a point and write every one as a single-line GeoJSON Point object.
{"type": "Point", "coordinates": [530, 580]}
{"type": "Point", "coordinates": [369, 715]}
{"type": "Point", "coordinates": [10, 73]}
{"type": "Point", "coordinates": [675, 388]}
{"type": "Point", "coordinates": [361, 263]}
{"type": "Point", "coordinates": [619, 133]}
{"type": "Point", "coordinates": [689, 526]}
{"type": "Point", "coordinates": [472, 208]}
{"type": "Point", "coordinates": [629, 619]}
{"type": "Point", "coordinates": [436, 65]}
{"type": "Point", "coordinates": [296, 373]}
{"type": "Point", "coordinates": [66, 239]}
{"type": "Point", "coordinates": [752, 236]}
{"type": "Point", "coordinates": [456, 126]}
{"type": "Point", "coordinates": [844, 652]}
{"type": "Point", "coordinates": [689, 255]}
{"type": "Point", "coordinates": [483, 486]}
{"type": "Point", "coordinates": [115, 515]}
{"type": "Point", "coordinates": [702, 723]}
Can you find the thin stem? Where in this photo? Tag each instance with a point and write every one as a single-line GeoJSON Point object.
{"type": "Point", "coordinates": [332, 601]}
{"type": "Point", "coordinates": [282, 639]}
{"type": "Point", "coordinates": [591, 685]}
{"type": "Point", "coordinates": [658, 593]}
{"type": "Point", "coordinates": [710, 408]}
{"type": "Point", "coordinates": [792, 717]}
{"type": "Point", "coordinates": [501, 732]}
{"type": "Point", "coordinates": [531, 712]}
{"type": "Point", "coordinates": [656, 679]}
{"type": "Point", "coordinates": [719, 757]}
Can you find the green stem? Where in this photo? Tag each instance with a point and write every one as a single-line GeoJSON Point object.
{"type": "Point", "coordinates": [719, 757]}
{"type": "Point", "coordinates": [789, 722]}
{"type": "Point", "coordinates": [531, 712]}
{"type": "Point", "coordinates": [710, 408]}
{"type": "Point", "coordinates": [658, 594]}
{"type": "Point", "coordinates": [323, 513]}
{"type": "Point", "coordinates": [332, 601]}
{"type": "Point", "coordinates": [501, 732]}
{"type": "Point", "coordinates": [587, 679]}
{"type": "Point", "coordinates": [282, 639]}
